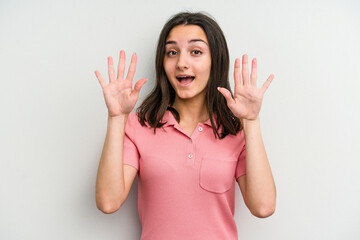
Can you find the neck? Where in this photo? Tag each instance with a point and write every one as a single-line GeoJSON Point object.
{"type": "Point", "coordinates": [191, 110]}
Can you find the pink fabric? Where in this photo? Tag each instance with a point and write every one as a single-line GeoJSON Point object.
{"type": "Point", "coordinates": [185, 183]}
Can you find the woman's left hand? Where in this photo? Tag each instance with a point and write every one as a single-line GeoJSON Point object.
{"type": "Point", "coordinates": [247, 99]}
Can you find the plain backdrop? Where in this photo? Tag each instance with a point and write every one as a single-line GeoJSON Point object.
{"type": "Point", "coordinates": [53, 115]}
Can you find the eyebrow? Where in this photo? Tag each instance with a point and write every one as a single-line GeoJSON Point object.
{"type": "Point", "coordinates": [190, 41]}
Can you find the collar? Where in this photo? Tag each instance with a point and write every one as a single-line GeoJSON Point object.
{"type": "Point", "coordinates": [171, 121]}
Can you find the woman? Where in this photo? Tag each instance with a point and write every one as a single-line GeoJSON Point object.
{"type": "Point", "coordinates": [187, 139]}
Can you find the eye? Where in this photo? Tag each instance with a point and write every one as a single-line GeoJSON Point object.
{"type": "Point", "coordinates": [171, 53]}
{"type": "Point", "coordinates": [196, 52]}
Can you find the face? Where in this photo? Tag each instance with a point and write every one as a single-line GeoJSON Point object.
{"type": "Point", "coordinates": [187, 61]}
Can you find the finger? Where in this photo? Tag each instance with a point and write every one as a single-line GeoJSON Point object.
{"type": "Point", "coordinates": [121, 67]}
{"type": "Point", "coordinates": [237, 74]}
{"type": "Point", "coordinates": [111, 69]}
{"type": "Point", "coordinates": [253, 75]}
{"type": "Point", "coordinates": [138, 86]}
{"type": "Point", "coordinates": [245, 70]}
{"type": "Point", "coordinates": [100, 78]}
{"type": "Point", "coordinates": [132, 68]}
{"type": "Point", "coordinates": [227, 94]}
{"type": "Point", "coordinates": [267, 83]}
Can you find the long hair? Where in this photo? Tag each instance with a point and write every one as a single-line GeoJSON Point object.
{"type": "Point", "coordinates": [162, 96]}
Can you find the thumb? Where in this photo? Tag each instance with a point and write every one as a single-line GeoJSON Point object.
{"type": "Point", "coordinates": [226, 93]}
{"type": "Point", "coordinates": [138, 86]}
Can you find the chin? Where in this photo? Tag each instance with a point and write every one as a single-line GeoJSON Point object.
{"type": "Point", "coordinates": [184, 97]}
{"type": "Point", "coordinates": [188, 96]}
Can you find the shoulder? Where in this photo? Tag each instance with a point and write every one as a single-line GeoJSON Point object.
{"type": "Point", "coordinates": [239, 135]}
{"type": "Point", "coordinates": [133, 118]}
{"type": "Point", "coordinates": [237, 140]}
{"type": "Point", "coordinates": [133, 124]}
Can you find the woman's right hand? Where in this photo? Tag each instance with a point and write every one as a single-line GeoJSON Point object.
{"type": "Point", "coordinates": [119, 97]}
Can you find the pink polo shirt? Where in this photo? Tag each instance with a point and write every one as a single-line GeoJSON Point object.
{"type": "Point", "coordinates": [186, 184]}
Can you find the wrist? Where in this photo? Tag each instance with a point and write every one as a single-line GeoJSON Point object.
{"type": "Point", "coordinates": [118, 117]}
{"type": "Point", "coordinates": [246, 123]}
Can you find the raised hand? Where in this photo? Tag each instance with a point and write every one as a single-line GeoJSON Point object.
{"type": "Point", "coordinates": [247, 99]}
{"type": "Point", "coordinates": [119, 97]}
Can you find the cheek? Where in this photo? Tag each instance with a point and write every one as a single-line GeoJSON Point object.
{"type": "Point", "coordinates": [169, 72]}
{"type": "Point", "coordinates": [205, 65]}
{"type": "Point", "coordinates": [205, 69]}
{"type": "Point", "coordinates": [168, 68]}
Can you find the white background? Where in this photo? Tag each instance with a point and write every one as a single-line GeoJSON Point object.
{"type": "Point", "coordinates": [53, 115]}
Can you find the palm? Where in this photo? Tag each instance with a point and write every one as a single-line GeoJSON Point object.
{"type": "Point", "coordinates": [247, 102]}
{"type": "Point", "coordinates": [118, 94]}
{"type": "Point", "coordinates": [247, 99]}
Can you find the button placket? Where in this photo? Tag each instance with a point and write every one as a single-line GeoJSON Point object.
{"type": "Point", "coordinates": [190, 151]}
{"type": "Point", "coordinates": [190, 154]}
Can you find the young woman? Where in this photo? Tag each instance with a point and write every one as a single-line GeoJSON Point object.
{"type": "Point", "coordinates": [187, 140]}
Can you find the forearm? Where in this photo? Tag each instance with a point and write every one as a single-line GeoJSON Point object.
{"type": "Point", "coordinates": [260, 187]}
{"type": "Point", "coordinates": [110, 184]}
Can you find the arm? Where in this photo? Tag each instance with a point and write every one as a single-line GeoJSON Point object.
{"type": "Point", "coordinates": [114, 179]}
{"type": "Point", "coordinates": [257, 186]}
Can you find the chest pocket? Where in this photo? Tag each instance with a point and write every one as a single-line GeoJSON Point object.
{"type": "Point", "coordinates": [217, 175]}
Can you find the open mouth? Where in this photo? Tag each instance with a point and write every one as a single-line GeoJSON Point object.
{"type": "Point", "coordinates": [185, 80]}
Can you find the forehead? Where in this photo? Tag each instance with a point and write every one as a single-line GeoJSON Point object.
{"type": "Point", "coordinates": [186, 32]}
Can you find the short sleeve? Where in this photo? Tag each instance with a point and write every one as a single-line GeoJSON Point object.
{"type": "Point", "coordinates": [131, 154]}
{"type": "Point", "coordinates": [241, 167]}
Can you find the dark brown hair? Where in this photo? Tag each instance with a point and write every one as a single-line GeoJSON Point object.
{"type": "Point", "coordinates": [163, 95]}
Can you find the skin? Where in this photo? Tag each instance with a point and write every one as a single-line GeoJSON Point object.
{"type": "Point", "coordinates": [114, 179]}
{"type": "Point", "coordinates": [188, 53]}
{"type": "Point", "coordinates": [257, 185]}
{"type": "Point", "coordinates": [186, 56]}
{"type": "Point", "coordinates": [119, 97]}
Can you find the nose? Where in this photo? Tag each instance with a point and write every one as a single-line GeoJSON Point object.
{"type": "Point", "coordinates": [182, 62]}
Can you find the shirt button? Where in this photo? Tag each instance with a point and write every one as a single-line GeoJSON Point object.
{"type": "Point", "coordinates": [200, 129]}
{"type": "Point", "coordinates": [190, 155]}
